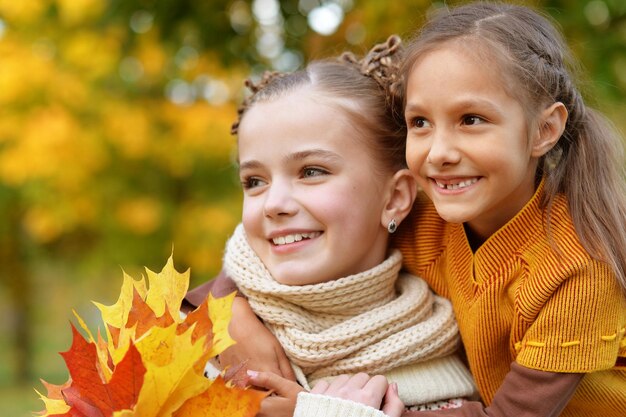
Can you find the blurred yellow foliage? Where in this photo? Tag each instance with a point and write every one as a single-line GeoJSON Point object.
{"type": "Point", "coordinates": [42, 224]}
{"type": "Point", "coordinates": [77, 11]}
{"type": "Point", "coordinates": [151, 55]}
{"type": "Point", "coordinates": [94, 54]}
{"type": "Point", "coordinates": [17, 83]}
{"type": "Point", "coordinates": [141, 215]}
{"type": "Point", "coordinates": [128, 128]}
{"type": "Point", "coordinates": [23, 11]}
{"type": "Point", "coordinates": [201, 232]}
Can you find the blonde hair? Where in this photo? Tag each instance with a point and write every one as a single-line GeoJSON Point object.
{"type": "Point", "coordinates": [586, 163]}
{"type": "Point", "coordinates": [366, 89]}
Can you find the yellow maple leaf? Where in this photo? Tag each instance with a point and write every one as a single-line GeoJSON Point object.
{"type": "Point", "coordinates": [53, 406]}
{"type": "Point", "coordinates": [117, 314]}
{"type": "Point", "coordinates": [167, 289]}
{"type": "Point", "coordinates": [171, 376]}
{"type": "Point", "coordinates": [220, 313]}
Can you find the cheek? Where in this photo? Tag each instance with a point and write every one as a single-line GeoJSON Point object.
{"type": "Point", "coordinates": [251, 215]}
{"type": "Point", "coordinates": [415, 157]}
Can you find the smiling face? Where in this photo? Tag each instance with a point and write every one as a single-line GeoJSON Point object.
{"type": "Point", "coordinates": [468, 141]}
{"type": "Point", "coordinates": [313, 195]}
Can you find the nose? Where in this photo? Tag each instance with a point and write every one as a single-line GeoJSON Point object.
{"type": "Point", "coordinates": [443, 149]}
{"type": "Point", "coordinates": [279, 200]}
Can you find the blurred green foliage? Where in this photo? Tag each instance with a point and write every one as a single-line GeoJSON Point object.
{"type": "Point", "coordinates": [115, 144]}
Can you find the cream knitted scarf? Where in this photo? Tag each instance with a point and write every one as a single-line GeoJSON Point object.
{"type": "Point", "coordinates": [370, 322]}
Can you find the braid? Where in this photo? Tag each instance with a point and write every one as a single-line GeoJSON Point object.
{"type": "Point", "coordinates": [383, 63]}
{"type": "Point", "coordinates": [267, 78]}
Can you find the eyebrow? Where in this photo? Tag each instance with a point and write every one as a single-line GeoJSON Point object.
{"type": "Point", "coordinates": [296, 156]}
{"type": "Point", "coordinates": [459, 105]}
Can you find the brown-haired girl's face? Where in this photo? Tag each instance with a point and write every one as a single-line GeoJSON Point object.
{"type": "Point", "coordinates": [312, 201]}
{"type": "Point", "coordinates": [468, 142]}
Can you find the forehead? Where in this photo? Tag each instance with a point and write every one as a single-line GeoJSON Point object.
{"type": "Point", "coordinates": [298, 119]}
{"type": "Point", "coordinates": [459, 67]}
{"type": "Point", "coordinates": [494, 61]}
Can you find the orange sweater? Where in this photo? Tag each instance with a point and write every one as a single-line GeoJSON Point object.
{"type": "Point", "coordinates": [517, 299]}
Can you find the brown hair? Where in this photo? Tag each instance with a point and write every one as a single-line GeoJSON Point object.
{"type": "Point", "coordinates": [365, 89]}
{"type": "Point", "coordinates": [586, 163]}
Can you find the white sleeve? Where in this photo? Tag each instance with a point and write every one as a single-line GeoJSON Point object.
{"type": "Point", "coordinates": [314, 405]}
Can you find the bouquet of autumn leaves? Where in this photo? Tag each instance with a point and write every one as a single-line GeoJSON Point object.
{"type": "Point", "coordinates": [153, 359]}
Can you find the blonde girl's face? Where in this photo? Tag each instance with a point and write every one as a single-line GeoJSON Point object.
{"type": "Point", "coordinates": [468, 141]}
{"type": "Point", "coordinates": [312, 196]}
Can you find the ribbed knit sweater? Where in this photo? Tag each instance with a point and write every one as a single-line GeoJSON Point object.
{"type": "Point", "coordinates": [518, 299]}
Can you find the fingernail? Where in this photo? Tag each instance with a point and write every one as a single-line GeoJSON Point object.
{"type": "Point", "coordinates": [252, 374]}
{"type": "Point", "coordinates": [394, 387]}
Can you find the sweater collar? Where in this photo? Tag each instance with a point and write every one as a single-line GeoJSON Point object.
{"type": "Point", "coordinates": [501, 247]}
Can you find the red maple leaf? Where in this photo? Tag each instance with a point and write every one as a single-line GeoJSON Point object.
{"type": "Point", "coordinates": [89, 395]}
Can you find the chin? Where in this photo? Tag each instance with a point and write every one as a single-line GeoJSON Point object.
{"type": "Point", "coordinates": [295, 277]}
{"type": "Point", "coordinates": [291, 277]}
{"type": "Point", "coordinates": [453, 216]}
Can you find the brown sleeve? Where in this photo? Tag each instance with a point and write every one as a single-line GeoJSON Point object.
{"type": "Point", "coordinates": [219, 286]}
{"type": "Point", "coordinates": [524, 392]}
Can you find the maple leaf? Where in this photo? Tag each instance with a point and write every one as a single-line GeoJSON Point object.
{"type": "Point", "coordinates": [167, 289]}
{"type": "Point", "coordinates": [152, 361]}
{"type": "Point", "coordinates": [220, 313]}
{"type": "Point", "coordinates": [144, 317]}
{"type": "Point", "coordinates": [116, 315]}
{"type": "Point", "coordinates": [88, 391]}
{"type": "Point", "coordinates": [172, 373]}
{"type": "Point", "coordinates": [237, 375]}
{"type": "Point", "coordinates": [222, 399]}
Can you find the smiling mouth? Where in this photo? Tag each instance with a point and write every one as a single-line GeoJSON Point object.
{"type": "Point", "coordinates": [296, 237]}
{"type": "Point", "coordinates": [448, 185]}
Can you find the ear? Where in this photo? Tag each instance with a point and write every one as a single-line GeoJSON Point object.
{"type": "Point", "coordinates": [402, 193]}
{"type": "Point", "coordinates": [550, 128]}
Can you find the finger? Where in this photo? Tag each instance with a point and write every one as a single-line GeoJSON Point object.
{"type": "Point", "coordinates": [270, 381]}
{"type": "Point", "coordinates": [392, 404]}
{"type": "Point", "coordinates": [358, 381]}
{"type": "Point", "coordinates": [284, 365]}
{"type": "Point", "coordinates": [374, 390]}
{"type": "Point", "coordinates": [337, 384]}
{"type": "Point", "coordinates": [320, 387]}
{"type": "Point", "coordinates": [276, 407]}
{"type": "Point", "coordinates": [377, 385]}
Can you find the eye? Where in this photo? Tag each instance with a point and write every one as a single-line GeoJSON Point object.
{"type": "Point", "coordinates": [472, 119]}
{"type": "Point", "coordinates": [252, 182]}
{"type": "Point", "coordinates": [309, 172]}
{"type": "Point", "coordinates": [418, 122]}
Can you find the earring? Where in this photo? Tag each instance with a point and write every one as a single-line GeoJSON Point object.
{"type": "Point", "coordinates": [392, 226]}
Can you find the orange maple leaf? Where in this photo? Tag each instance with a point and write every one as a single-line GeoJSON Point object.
{"type": "Point", "coordinates": [199, 319]}
{"type": "Point", "coordinates": [223, 399]}
{"type": "Point", "coordinates": [142, 315]}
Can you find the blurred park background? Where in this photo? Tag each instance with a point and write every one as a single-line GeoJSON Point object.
{"type": "Point", "coordinates": [115, 144]}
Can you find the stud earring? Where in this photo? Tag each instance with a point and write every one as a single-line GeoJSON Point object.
{"type": "Point", "coordinates": [392, 226]}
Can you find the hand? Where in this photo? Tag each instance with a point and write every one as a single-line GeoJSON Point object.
{"type": "Point", "coordinates": [256, 346]}
{"type": "Point", "coordinates": [282, 402]}
{"type": "Point", "coordinates": [364, 389]}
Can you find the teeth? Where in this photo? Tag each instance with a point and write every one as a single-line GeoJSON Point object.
{"type": "Point", "coordinates": [458, 185]}
{"type": "Point", "coordinates": [297, 237]}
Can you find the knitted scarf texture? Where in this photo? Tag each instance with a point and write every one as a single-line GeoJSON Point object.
{"type": "Point", "coordinates": [374, 322]}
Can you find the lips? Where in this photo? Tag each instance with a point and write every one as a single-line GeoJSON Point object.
{"type": "Point", "coordinates": [455, 184]}
{"type": "Point", "coordinates": [294, 237]}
